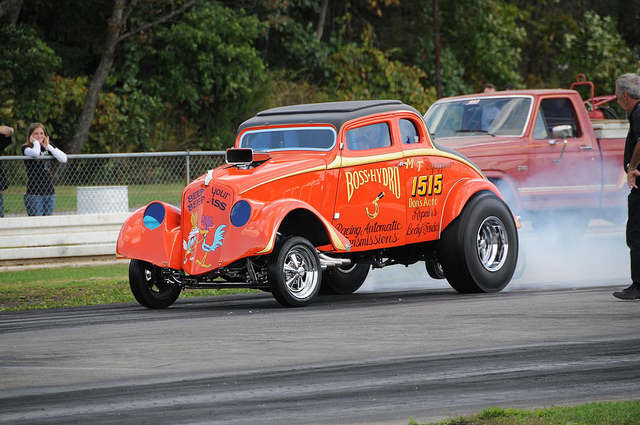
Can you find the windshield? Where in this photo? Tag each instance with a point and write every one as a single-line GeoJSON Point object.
{"type": "Point", "coordinates": [503, 116]}
{"type": "Point", "coordinates": [306, 138]}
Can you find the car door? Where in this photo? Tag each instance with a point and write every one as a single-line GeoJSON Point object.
{"type": "Point", "coordinates": [424, 181]}
{"type": "Point", "coordinates": [370, 205]}
{"type": "Point", "coordinates": [563, 171]}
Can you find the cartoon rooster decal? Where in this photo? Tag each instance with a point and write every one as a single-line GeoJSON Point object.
{"type": "Point", "coordinates": [218, 237]}
{"type": "Point", "coordinates": [190, 244]}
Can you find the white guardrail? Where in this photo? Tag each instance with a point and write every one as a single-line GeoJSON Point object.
{"type": "Point", "coordinates": [29, 239]}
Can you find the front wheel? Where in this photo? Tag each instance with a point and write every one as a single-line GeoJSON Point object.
{"type": "Point", "coordinates": [294, 272]}
{"type": "Point", "coordinates": [148, 286]}
{"type": "Point", "coordinates": [479, 249]}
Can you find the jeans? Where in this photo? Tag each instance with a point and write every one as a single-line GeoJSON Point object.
{"type": "Point", "coordinates": [40, 204]}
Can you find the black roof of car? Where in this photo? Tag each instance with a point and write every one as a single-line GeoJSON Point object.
{"type": "Point", "coordinates": [334, 113]}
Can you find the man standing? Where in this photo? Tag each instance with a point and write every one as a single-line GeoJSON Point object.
{"type": "Point", "coordinates": [5, 140]}
{"type": "Point", "coordinates": [628, 95]}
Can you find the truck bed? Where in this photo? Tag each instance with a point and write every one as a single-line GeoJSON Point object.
{"type": "Point", "coordinates": [610, 129]}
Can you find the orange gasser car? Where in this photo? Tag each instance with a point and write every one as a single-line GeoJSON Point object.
{"type": "Point", "coordinates": [311, 197]}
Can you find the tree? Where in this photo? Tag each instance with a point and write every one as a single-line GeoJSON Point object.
{"type": "Point", "coordinates": [117, 32]}
{"type": "Point", "coordinates": [10, 10]}
{"type": "Point", "coordinates": [25, 73]}
{"type": "Point", "coordinates": [205, 68]}
{"type": "Point", "coordinates": [598, 51]}
{"type": "Point", "coordinates": [488, 42]}
{"type": "Point", "coordinates": [364, 72]}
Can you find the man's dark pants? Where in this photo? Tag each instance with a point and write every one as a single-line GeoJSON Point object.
{"type": "Point", "coordinates": [633, 235]}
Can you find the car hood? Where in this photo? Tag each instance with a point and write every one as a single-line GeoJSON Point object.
{"type": "Point", "coordinates": [280, 166]}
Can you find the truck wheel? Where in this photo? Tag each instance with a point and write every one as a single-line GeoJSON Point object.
{"type": "Point", "coordinates": [434, 269]}
{"type": "Point", "coordinates": [148, 287]}
{"type": "Point", "coordinates": [294, 272]}
{"type": "Point", "coordinates": [343, 281]}
{"type": "Point", "coordinates": [479, 249]}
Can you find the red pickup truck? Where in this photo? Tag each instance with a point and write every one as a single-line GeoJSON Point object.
{"type": "Point", "coordinates": [543, 149]}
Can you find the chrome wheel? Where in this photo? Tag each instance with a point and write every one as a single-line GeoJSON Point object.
{"type": "Point", "coordinates": [492, 244]}
{"type": "Point", "coordinates": [294, 272]}
{"type": "Point", "coordinates": [301, 278]}
{"type": "Point", "coordinates": [479, 249]}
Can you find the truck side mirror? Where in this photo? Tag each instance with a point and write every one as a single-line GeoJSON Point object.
{"type": "Point", "coordinates": [562, 131]}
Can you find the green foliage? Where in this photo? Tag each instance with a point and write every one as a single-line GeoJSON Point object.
{"type": "Point", "coordinates": [598, 51]}
{"type": "Point", "coordinates": [25, 71]}
{"type": "Point", "coordinates": [546, 25]}
{"type": "Point", "coordinates": [121, 123]}
{"type": "Point", "coordinates": [289, 88]}
{"type": "Point", "coordinates": [290, 40]}
{"type": "Point", "coordinates": [188, 83]}
{"type": "Point", "coordinates": [452, 69]}
{"type": "Point", "coordinates": [364, 72]}
{"type": "Point", "coordinates": [206, 70]}
{"type": "Point", "coordinates": [487, 42]}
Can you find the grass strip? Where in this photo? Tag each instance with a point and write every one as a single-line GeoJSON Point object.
{"type": "Point", "coordinates": [602, 413]}
{"type": "Point", "coordinates": [75, 286]}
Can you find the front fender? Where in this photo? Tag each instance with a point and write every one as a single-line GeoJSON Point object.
{"type": "Point", "coordinates": [271, 217]}
{"type": "Point", "coordinates": [156, 239]}
{"type": "Point", "coordinates": [459, 195]}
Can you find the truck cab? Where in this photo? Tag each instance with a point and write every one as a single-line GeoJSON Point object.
{"type": "Point", "coordinates": [539, 147]}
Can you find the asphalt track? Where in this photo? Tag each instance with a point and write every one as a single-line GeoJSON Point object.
{"type": "Point", "coordinates": [556, 336]}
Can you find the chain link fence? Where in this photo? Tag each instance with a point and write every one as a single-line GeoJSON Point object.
{"type": "Point", "coordinates": [105, 183]}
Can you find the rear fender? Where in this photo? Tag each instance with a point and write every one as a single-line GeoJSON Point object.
{"type": "Point", "coordinates": [460, 194]}
{"type": "Point", "coordinates": [156, 238]}
{"type": "Point", "coordinates": [296, 217]}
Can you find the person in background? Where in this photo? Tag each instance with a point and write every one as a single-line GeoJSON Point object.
{"type": "Point", "coordinates": [628, 95]}
{"type": "Point", "coordinates": [488, 88]}
{"type": "Point", "coordinates": [40, 198]}
{"type": "Point", "coordinates": [5, 140]}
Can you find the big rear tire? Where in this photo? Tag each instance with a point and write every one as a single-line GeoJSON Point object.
{"type": "Point", "coordinates": [343, 281]}
{"type": "Point", "coordinates": [479, 249]}
{"type": "Point", "coordinates": [294, 272]}
{"type": "Point", "coordinates": [148, 286]}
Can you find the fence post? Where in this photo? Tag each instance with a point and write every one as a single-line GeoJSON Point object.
{"type": "Point", "coordinates": [187, 171]}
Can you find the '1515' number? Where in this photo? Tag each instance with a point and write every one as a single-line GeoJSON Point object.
{"type": "Point", "coordinates": [427, 185]}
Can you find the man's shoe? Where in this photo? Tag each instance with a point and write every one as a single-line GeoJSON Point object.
{"type": "Point", "coordinates": [631, 293]}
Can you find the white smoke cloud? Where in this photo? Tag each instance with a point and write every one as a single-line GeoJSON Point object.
{"type": "Point", "coordinates": [552, 260]}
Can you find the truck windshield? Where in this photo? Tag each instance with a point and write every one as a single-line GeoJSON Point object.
{"type": "Point", "coordinates": [498, 116]}
{"type": "Point", "coordinates": [293, 138]}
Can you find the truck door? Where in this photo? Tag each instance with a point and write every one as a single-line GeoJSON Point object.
{"type": "Point", "coordinates": [563, 172]}
{"type": "Point", "coordinates": [370, 209]}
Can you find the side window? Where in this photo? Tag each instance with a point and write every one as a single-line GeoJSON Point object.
{"type": "Point", "coordinates": [540, 127]}
{"type": "Point", "coordinates": [558, 112]}
{"type": "Point", "coordinates": [408, 132]}
{"type": "Point", "coordinates": [369, 137]}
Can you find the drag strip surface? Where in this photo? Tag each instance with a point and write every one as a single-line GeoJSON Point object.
{"type": "Point", "coordinates": [363, 358]}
